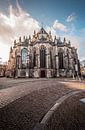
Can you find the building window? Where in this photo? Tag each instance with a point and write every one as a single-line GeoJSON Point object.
{"type": "Point", "coordinates": [30, 61]}
{"type": "Point", "coordinates": [51, 62]}
{"type": "Point", "coordinates": [24, 57]}
{"type": "Point", "coordinates": [34, 58]}
{"type": "Point", "coordinates": [42, 57]}
{"type": "Point", "coordinates": [18, 62]}
{"type": "Point", "coordinates": [61, 65]}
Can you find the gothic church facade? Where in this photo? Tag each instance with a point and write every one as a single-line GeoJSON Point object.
{"type": "Point", "coordinates": [42, 56]}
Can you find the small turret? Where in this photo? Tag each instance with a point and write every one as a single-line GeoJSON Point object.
{"type": "Point", "coordinates": [19, 39]}
{"type": "Point", "coordinates": [50, 36]}
{"type": "Point", "coordinates": [14, 42]}
{"type": "Point", "coordinates": [34, 32]}
{"type": "Point", "coordinates": [55, 40]}
{"type": "Point", "coordinates": [49, 32]}
{"type": "Point", "coordinates": [11, 50]}
{"type": "Point", "coordinates": [24, 38]}
{"type": "Point", "coordinates": [64, 41]}
{"type": "Point", "coordinates": [59, 40]}
{"type": "Point", "coordinates": [69, 43]}
{"type": "Point", "coordinates": [29, 37]}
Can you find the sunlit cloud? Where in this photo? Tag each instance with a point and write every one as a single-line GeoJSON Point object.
{"type": "Point", "coordinates": [59, 26]}
{"type": "Point", "coordinates": [74, 40]}
{"type": "Point", "coordinates": [53, 31]}
{"type": "Point", "coordinates": [77, 41]}
{"type": "Point", "coordinates": [17, 23]}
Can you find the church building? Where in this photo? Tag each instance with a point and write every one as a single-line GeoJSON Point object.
{"type": "Point", "coordinates": [42, 56]}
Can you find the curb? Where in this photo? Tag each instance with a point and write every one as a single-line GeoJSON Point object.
{"type": "Point", "coordinates": [41, 125]}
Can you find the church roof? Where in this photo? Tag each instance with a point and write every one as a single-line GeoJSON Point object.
{"type": "Point", "coordinates": [42, 31]}
{"type": "Point", "coordinates": [42, 35]}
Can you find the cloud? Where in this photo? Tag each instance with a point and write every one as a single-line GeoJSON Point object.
{"type": "Point", "coordinates": [82, 44]}
{"type": "Point", "coordinates": [59, 26]}
{"type": "Point", "coordinates": [53, 31]}
{"type": "Point", "coordinates": [17, 23]}
{"type": "Point", "coordinates": [71, 17]}
{"type": "Point", "coordinates": [74, 40]}
{"type": "Point", "coordinates": [78, 42]}
{"type": "Point", "coordinates": [14, 24]}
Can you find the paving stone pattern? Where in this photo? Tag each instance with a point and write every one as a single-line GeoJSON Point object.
{"type": "Point", "coordinates": [24, 103]}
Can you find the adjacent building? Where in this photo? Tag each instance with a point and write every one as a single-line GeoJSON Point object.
{"type": "Point", "coordinates": [82, 67]}
{"type": "Point", "coordinates": [42, 56]}
{"type": "Point", "coordinates": [2, 70]}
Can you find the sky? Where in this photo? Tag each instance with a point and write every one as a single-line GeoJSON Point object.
{"type": "Point", "coordinates": [64, 18]}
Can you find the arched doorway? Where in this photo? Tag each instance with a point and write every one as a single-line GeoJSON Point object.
{"type": "Point", "coordinates": [43, 75]}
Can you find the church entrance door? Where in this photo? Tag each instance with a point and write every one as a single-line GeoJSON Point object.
{"type": "Point", "coordinates": [43, 74]}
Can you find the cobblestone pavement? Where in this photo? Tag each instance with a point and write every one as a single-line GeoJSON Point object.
{"type": "Point", "coordinates": [70, 115]}
{"type": "Point", "coordinates": [23, 102]}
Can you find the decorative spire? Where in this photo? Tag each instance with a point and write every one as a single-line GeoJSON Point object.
{"type": "Point", "coordinates": [10, 49]}
{"type": "Point", "coordinates": [69, 43]}
{"type": "Point", "coordinates": [64, 40]}
{"type": "Point", "coordinates": [49, 32]}
{"type": "Point", "coordinates": [42, 24]}
{"type": "Point", "coordinates": [19, 39]}
{"type": "Point", "coordinates": [55, 38]}
{"type": "Point", "coordinates": [29, 37]}
{"type": "Point", "coordinates": [23, 38]}
{"type": "Point", "coordinates": [26, 37]}
{"type": "Point", "coordinates": [59, 39]}
{"type": "Point", "coordinates": [14, 42]}
{"type": "Point", "coordinates": [34, 32]}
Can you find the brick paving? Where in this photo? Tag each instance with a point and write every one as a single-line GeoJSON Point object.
{"type": "Point", "coordinates": [24, 102]}
{"type": "Point", "coordinates": [70, 115]}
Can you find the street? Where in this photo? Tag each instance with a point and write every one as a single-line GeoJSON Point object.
{"type": "Point", "coordinates": [24, 102]}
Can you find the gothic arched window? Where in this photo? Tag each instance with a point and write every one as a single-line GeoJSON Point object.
{"type": "Point", "coordinates": [18, 60]}
{"type": "Point", "coordinates": [42, 57]}
{"type": "Point", "coordinates": [24, 57]}
{"type": "Point", "coordinates": [34, 57]}
{"type": "Point", "coordinates": [51, 62]}
{"type": "Point", "coordinates": [60, 55]}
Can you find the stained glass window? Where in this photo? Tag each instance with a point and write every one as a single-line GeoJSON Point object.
{"type": "Point", "coordinates": [61, 66]}
{"type": "Point", "coordinates": [42, 58]}
{"type": "Point", "coordinates": [24, 57]}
